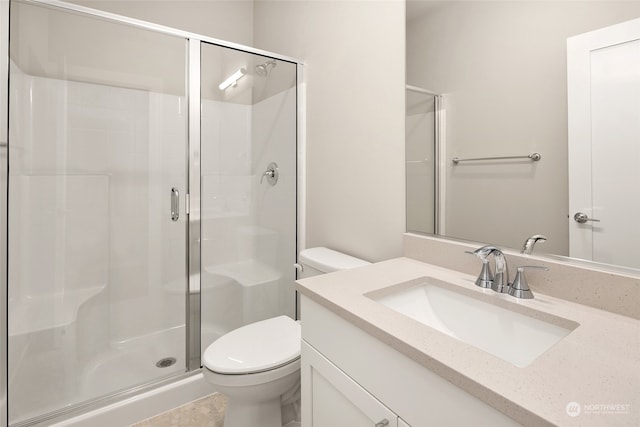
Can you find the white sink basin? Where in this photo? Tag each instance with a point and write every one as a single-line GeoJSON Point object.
{"type": "Point", "coordinates": [507, 330]}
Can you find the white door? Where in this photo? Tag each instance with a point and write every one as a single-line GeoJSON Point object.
{"type": "Point", "coordinates": [603, 69]}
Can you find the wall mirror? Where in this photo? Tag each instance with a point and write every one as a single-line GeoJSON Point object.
{"type": "Point", "coordinates": [488, 84]}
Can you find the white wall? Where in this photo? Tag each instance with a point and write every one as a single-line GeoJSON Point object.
{"type": "Point", "coordinates": [354, 72]}
{"type": "Point", "coordinates": [503, 68]}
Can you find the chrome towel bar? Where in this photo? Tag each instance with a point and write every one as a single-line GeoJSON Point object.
{"type": "Point", "coordinates": [533, 156]}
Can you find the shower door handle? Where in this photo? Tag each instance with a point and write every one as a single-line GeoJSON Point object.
{"type": "Point", "coordinates": [175, 204]}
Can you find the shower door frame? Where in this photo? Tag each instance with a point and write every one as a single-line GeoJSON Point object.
{"type": "Point", "coordinates": [192, 203]}
{"type": "Point", "coordinates": [4, 206]}
{"type": "Point", "coordinates": [439, 155]}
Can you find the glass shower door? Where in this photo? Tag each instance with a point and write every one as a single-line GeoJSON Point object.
{"type": "Point", "coordinates": [421, 142]}
{"type": "Point", "coordinates": [98, 174]}
{"type": "Point", "coordinates": [248, 191]}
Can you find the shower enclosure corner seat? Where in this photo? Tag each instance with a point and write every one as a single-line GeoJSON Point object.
{"type": "Point", "coordinates": [97, 263]}
{"type": "Point", "coordinates": [70, 321]}
{"type": "Point", "coordinates": [35, 313]}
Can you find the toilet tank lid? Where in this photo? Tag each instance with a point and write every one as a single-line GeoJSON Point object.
{"type": "Point", "coordinates": [328, 260]}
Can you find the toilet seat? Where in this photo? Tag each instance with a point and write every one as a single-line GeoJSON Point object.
{"type": "Point", "coordinates": [256, 348]}
{"type": "Point", "coordinates": [254, 379]}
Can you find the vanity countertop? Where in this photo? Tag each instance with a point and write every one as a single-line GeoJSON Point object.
{"type": "Point", "coordinates": [596, 366]}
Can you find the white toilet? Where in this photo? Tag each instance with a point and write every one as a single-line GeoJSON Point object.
{"type": "Point", "coordinates": [258, 363]}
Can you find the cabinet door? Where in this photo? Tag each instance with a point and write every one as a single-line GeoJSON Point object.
{"type": "Point", "coordinates": [331, 398]}
{"type": "Point", "coordinates": [402, 423]}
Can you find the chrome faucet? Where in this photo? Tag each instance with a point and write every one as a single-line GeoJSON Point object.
{"type": "Point", "coordinates": [500, 281]}
{"type": "Point", "coordinates": [527, 248]}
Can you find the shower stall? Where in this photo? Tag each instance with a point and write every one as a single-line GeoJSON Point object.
{"type": "Point", "coordinates": [151, 184]}
{"type": "Point", "coordinates": [424, 146]}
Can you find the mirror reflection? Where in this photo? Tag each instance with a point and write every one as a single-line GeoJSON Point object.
{"type": "Point", "coordinates": [540, 102]}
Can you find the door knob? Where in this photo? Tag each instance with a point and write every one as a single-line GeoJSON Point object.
{"type": "Point", "coordinates": [582, 217]}
{"type": "Point", "coordinates": [383, 423]}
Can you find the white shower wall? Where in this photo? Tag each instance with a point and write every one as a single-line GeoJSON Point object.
{"type": "Point", "coordinates": [274, 125]}
{"type": "Point", "coordinates": [86, 142]}
{"type": "Point", "coordinates": [248, 227]}
{"type": "Point", "coordinates": [114, 167]}
{"type": "Point", "coordinates": [226, 178]}
{"type": "Point", "coordinates": [94, 253]}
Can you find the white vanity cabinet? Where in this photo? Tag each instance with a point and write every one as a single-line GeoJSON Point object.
{"type": "Point", "coordinates": [350, 378]}
{"type": "Point", "coordinates": [334, 399]}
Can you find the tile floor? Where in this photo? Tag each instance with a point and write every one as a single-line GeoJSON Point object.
{"type": "Point", "coordinates": [205, 412]}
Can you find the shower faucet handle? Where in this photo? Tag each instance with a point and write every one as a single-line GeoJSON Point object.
{"type": "Point", "coordinates": [267, 174]}
{"type": "Point", "coordinates": [271, 173]}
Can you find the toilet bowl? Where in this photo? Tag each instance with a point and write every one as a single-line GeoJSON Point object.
{"type": "Point", "coordinates": [255, 365]}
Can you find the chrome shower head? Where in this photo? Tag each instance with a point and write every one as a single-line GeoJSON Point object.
{"type": "Point", "coordinates": [263, 69]}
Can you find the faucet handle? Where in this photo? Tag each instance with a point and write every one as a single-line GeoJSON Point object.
{"type": "Point", "coordinates": [485, 278]}
{"type": "Point", "coordinates": [520, 287]}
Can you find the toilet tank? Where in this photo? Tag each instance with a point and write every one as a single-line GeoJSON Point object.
{"type": "Point", "coordinates": [323, 260]}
